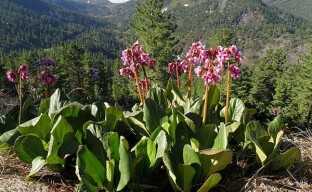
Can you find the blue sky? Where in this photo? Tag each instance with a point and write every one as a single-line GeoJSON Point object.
{"type": "Point", "coordinates": [118, 1]}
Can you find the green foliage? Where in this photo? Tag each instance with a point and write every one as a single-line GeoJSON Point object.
{"type": "Point", "coordinates": [154, 29]}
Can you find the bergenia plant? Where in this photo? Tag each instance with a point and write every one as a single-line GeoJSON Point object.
{"type": "Point", "coordinates": [229, 56]}
{"type": "Point", "coordinates": [134, 61]}
{"type": "Point", "coordinates": [46, 76]}
{"type": "Point", "coordinates": [18, 76]}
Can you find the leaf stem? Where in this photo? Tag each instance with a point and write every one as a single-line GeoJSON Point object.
{"type": "Point", "coordinates": [19, 88]}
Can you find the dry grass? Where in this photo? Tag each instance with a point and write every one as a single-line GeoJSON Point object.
{"type": "Point", "coordinates": [13, 172]}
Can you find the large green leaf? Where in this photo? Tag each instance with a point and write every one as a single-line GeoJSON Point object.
{"type": "Point", "coordinates": [36, 165]}
{"type": "Point", "coordinates": [214, 160]}
{"type": "Point", "coordinates": [195, 106]}
{"type": "Point", "coordinates": [260, 153]}
{"type": "Point", "coordinates": [44, 106]}
{"type": "Point", "coordinates": [62, 142]}
{"type": "Point", "coordinates": [28, 147]}
{"type": "Point", "coordinates": [213, 96]}
{"type": "Point", "coordinates": [57, 100]}
{"type": "Point", "coordinates": [211, 182]}
{"type": "Point", "coordinates": [69, 110]}
{"type": "Point", "coordinates": [124, 164]}
{"type": "Point", "coordinates": [162, 143]}
{"type": "Point", "coordinates": [256, 128]}
{"type": "Point", "coordinates": [190, 156]}
{"type": "Point", "coordinates": [158, 95]}
{"type": "Point", "coordinates": [111, 145]}
{"type": "Point", "coordinates": [98, 110]}
{"type": "Point", "coordinates": [275, 126]}
{"type": "Point", "coordinates": [7, 123]}
{"type": "Point", "coordinates": [89, 169]}
{"type": "Point", "coordinates": [206, 136]}
{"type": "Point", "coordinates": [221, 141]}
{"type": "Point", "coordinates": [185, 176]}
{"type": "Point", "coordinates": [112, 115]}
{"type": "Point", "coordinates": [173, 93]}
{"type": "Point", "coordinates": [290, 157]}
{"type": "Point", "coordinates": [39, 126]}
{"type": "Point", "coordinates": [171, 172]}
{"type": "Point", "coordinates": [236, 110]}
{"type": "Point", "coordinates": [277, 142]}
{"type": "Point", "coordinates": [153, 115]}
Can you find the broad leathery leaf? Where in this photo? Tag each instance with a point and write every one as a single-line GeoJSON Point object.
{"type": "Point", "coordinates": [206, 136]}
{"type": "Point", "coordinates": [213, 96]}
{"type": "Point", "coordinates": [185, 176]}
{"type": "Point", "coordinates": [256, 128]}
{"type": "Point", "coordinates": [8, 138]}
{"type": "Point", "coordinates": [110, 168]}
{"type": "Point", "coordinates": [195, 106]}
{"type": "Point", "coordinates": [112, 115]}
{"type": "Point", "coordinates": [69, 110]}
{"type": "Point", "coordinates": [36, 165]}
{"type": "Point", "coordinates": [98, 110]}
{"type": "Point", "coordinates": [211, 182]}
{"type": "Point", "coordinates": [28, 147]}
{"type": "Point", "coordinates": [190, 156]}
{"type": "Point", "coordinates": [275, 126]}
{"type": "Point", "coordinates": [258, 149]}
{"type": "Point", "coordinates": [162, 143]}
{"type": "Point", "coordinates": [59, 134]}
{"type": "Point", "coordinates": [231, 128]}
{"type": "Point", "coordinates": [236, 110]}
{"type": "Point", "coordinates": [286, 159]}
{"type": "Point", "coordinates": [214, 160]}
{"type": "Point", "coordinates": [39, 126]}
{"type": "Point", "coordinates": [89, 169]}
{"type": "Point", "coordinates": [158, 95]}
{"type": "Point", "coordinates": [57, 100]}
{"type": "Point", "coordinates": [173, 93]}
{"type": "Point", "coordinates": [111, 145]}
{"type": "Point", "coordinates": [221, 141]}
{"type": "Point", "coordinates": [44, 106]}
{"type": "Point", "coordinates": [153, 115]}
{"type": "Point", "coordinates": [195, 144]}
{"type": "Point", "coordinates": [171, 174]}
{"type": "Point", "coordinates": [124, 164]}
{"type": "Point", "coordinates": [277, 143]}
{"type": "Point", "coordinates": [7, 123]}
{"type": "Point", "coordinates": [135, 121]}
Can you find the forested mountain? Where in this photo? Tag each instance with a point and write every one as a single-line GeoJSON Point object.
{"type": "Point", "coordinates": [301, 8]}
{"type": "Point", "coordinates": [31, 24]}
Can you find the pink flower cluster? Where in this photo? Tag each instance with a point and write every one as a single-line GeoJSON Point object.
{"type": "Point", "coordinates": [22, 72]}
{"type": "Point", "coordinates": [133, 58]}
{"type": "Point", "coordinates": [179, 65]}
{"type": "Point", "coordinates": [211, 62]}
{"type": "Point", "coordinates": [47, 77]}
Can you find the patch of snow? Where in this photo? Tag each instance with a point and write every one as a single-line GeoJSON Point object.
{"type": "Point", "coordinates": [186, 5]}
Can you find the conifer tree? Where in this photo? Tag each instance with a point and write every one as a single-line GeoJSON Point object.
{"type": "Point", "coordinates": [264, 79]}
{"type": "Point", "coordinates": [154, 28]}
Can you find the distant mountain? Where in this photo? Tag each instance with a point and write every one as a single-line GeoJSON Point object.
{"type": "Point", "coordinates": [301, 8]}
{"type": "Point", "coordinates": [30, 24]}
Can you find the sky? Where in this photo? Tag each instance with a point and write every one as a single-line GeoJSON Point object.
{"type": "Point", "coordinates": [118, 1]}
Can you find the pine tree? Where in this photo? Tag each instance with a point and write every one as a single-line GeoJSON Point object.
{"type": "Point", "coordinates": [154, 29]}
{"type": "Point", "coordinates": [264, 79]}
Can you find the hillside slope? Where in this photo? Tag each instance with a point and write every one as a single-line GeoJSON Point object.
{"type": "Point", "coordinates": [301, 8]}
{"type": "Point", "coordinates": [28, 24]}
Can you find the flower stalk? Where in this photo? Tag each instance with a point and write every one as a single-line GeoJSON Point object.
{"type": "Point", "coordinates": [206, 105]}
{"type": "Point", "coordinates": [228, 87]}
